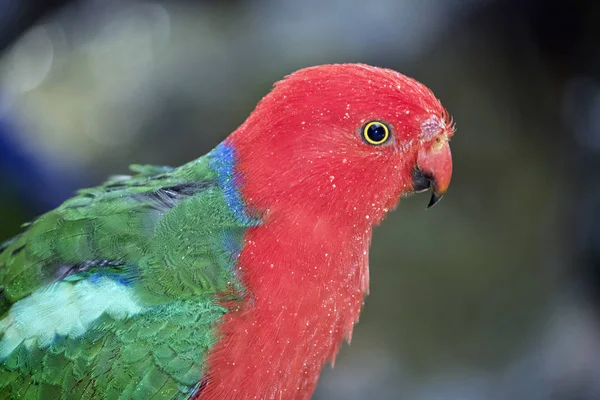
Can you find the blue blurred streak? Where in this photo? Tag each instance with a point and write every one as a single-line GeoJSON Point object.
{"type": "Point", "coordinates": [38, 186]}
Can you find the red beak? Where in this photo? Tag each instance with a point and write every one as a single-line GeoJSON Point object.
{"type": "Point", "coordinates": [434, 169]}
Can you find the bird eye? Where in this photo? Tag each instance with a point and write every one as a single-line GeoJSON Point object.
{"type": "Point", "coordinates": [375, 133]}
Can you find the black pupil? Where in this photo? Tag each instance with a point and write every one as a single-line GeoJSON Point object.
{"type": "Point", "coordinates": [376, 132]}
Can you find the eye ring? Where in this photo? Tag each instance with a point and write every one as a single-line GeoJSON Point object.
{"type": "Point", "coordinates": [375, 133]}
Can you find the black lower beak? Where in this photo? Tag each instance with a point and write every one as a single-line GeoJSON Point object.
{"type": "Point", "coordinates": [423, 181]}
{"type": "Point", "coordinates": [435, 197]}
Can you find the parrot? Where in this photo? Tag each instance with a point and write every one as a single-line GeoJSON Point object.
{"type": "Point", "coordinates": [235, 276]}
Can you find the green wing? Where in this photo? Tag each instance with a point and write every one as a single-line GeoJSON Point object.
{"type": "Point", "coordinates": [113, 294]}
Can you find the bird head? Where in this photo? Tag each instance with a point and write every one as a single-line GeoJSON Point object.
{"type": "Point", "coordinates": [344, 141]}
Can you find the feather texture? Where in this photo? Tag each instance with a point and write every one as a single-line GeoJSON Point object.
{"type": "Point", "coordinates": [115, 293]}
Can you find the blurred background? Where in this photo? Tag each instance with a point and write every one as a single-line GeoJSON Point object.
{"type": "Point", "coordinates": [493, 294]}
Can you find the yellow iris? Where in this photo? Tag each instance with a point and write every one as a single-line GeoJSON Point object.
{"type": "Point", "coordinates": [376, 133]}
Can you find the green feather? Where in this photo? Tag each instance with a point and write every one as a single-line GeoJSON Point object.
{"type": "Point", "coordinates": [135, 267]}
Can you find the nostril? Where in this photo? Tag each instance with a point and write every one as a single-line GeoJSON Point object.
{"type": "Point", "coordinates": [421, 181]}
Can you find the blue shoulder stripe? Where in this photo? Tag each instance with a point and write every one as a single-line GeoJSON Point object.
{"type": "Point", "coordinates": [222, 161]}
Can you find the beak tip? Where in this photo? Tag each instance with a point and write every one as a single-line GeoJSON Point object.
{"type": "Point", "coordinates": [435, 198]}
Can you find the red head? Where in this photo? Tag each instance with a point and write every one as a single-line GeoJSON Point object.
{"type": "Point", "coordinates": [343, 141]}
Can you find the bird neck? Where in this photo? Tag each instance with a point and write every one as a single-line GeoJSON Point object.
{"type": "Point", "coordinates": [305, 279]}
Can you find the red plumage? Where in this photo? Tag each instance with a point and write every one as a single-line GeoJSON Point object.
{"type": "Point", "coordinates": [320, 188]}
